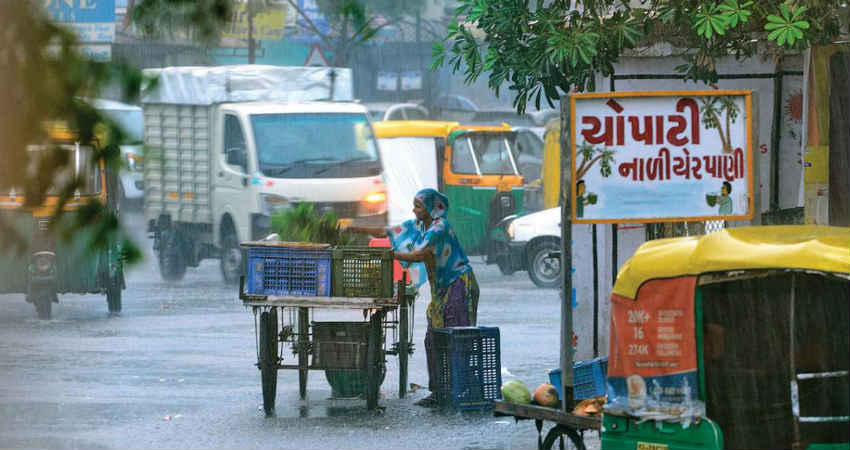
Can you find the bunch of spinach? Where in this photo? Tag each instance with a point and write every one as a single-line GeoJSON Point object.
{"type": "Point", "coordinates": [302, 223]}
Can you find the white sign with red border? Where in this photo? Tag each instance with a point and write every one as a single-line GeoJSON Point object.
{"type": "Point", "coordinates": [661, 156]}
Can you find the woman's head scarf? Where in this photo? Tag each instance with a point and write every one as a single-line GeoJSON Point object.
{"type": "Point", "coordinates": [434, 202]}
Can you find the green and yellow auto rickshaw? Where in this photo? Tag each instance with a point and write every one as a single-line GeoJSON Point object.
{"type": "Point", "coordinates": [735, 339]}
{"type": "Point", "coordinates": [41, 264]}
{"type": "Point", "coordinates": [473, 165]}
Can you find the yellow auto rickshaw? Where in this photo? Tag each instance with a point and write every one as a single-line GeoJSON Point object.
{"type": "Point", "coordinates": [473, 165]}
{"type": "Point", "coordinates": [43, 264]}
{"type": "Point", "coordinates": [738, 339]}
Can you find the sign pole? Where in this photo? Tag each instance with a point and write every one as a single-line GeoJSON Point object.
{"type": "Point", "coordinates": [566, 262]}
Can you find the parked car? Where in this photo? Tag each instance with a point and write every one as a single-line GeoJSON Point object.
{"type": "Point", "coordinates": [396, 111]}
{"type": "Point", "coordinates": [452, 107]}
{"type": "Point", "coordinates": [534, 241]}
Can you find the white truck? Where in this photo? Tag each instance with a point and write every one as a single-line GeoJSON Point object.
{"type": "Point", "coordinates": [228, 146]}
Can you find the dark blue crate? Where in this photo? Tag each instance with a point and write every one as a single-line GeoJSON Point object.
{"type": "Point", "coordinates": [469, 367]}
{"type": "Point", "coordinates": [288, 271]}
{"type": "Point", "coordinates": [588, 378]}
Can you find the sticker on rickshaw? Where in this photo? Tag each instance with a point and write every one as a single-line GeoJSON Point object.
{"type": "Point", "coordinates": [654, 372]}
{"type": "Point", "coordinates": [651, 446]}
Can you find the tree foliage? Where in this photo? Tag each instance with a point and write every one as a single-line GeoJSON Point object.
{"type": "Point", "coordinates": [542, 49]}
{"type": "Point", "coordinates": [46, 80]}
{"type": "Point", "coordinates": [354, 22]}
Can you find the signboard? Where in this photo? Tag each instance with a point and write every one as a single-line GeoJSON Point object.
{"type": "Point", "coordinates": [316, 58]}
{"type": "Point", "coordinates": [411, 81]}
{"type": "Point", "coordinates": [387, 81]}
{"type": "Point", "coordinates": [268, 24]}
{"type": "Point", "coordinates": [91, 20]}
{"type": "Point", "coordinates": [661, 156]}
{"type": "Point", "coordinates": [652, 369]}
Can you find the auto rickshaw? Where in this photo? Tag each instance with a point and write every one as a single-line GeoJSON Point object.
{"type": "Point", "coordinates": [48, 264]}
{"type": "Point", "coordinates": [473, 165]}
{"type": "Point", "coordinates": [736, 339]}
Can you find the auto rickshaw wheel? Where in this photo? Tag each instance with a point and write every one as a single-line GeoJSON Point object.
{"type": "Point", "coordinates": [113, 297]}
{"type": "Point", "coordinates": [43, 305]}
{"type": "Point", "coordinates": [172, 263]}
{"type": "Point", "coordinates": [543, 269]}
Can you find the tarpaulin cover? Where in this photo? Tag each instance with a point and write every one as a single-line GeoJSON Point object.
{"type": "Point", "coordinates": [247, 83]}
{"type": "Point", "coordinates": [652, 370]}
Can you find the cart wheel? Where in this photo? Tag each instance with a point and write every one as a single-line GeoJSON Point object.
{"type": "Point", "coordinates": [403, 347]}
{"type": "Point", "coordinates": [373, 361]}
{"type": "Point", "coordinates": [559, 430]}
{"type": "Point", "coordinates": [303, 345]}
{"type": "Point", "coordinates": [268, 358]}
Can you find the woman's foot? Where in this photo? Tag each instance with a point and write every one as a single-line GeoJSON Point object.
{"type": "Point", "coordinates": [427, 402]}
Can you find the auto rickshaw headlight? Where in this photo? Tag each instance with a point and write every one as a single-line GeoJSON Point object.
{"type": "Point", "coordinates": [511, 230]}
{"type": "Point", "coordinates": [43, 263]}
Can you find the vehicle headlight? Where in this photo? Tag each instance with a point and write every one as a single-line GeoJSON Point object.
{"type": "Point", "coordinates": [43, 263]}
{"type": "Point", "coordinates": [271, 203]}
{"type": "Point", "coordinates": [373, 203]}
{"type": "Point", "coordinates": [511, 230]}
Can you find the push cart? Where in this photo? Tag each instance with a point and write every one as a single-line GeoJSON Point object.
{"type": "Point", "coordinates": [283, 322]}
{"type": "Point", "coordinates": [568, 424]}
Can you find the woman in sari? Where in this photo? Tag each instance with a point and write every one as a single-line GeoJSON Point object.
{"type": "Point", "coordinates": [430, 239]}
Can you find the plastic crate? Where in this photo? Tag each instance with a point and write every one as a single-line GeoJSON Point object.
{"type": "Point", "coordinates": [288, 269]}
{"type": "Point", "coordinates": [362, 272]}
{"type": "Point", "coordinates": [469, 367]}
{"type": "Point", "coordinates": [588, 378]}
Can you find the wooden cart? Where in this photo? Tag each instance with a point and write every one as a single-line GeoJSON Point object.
{"type": "Point", "coordinates": [565, 423]}
{"type": "Point", "coordinates": [274, 332]}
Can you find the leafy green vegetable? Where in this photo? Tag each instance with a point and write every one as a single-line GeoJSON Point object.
{"type": "Point", "coordinates": [304, 224]}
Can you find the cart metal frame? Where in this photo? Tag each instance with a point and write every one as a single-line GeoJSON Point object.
{"type": "Point", "coordinates": [271, 338]}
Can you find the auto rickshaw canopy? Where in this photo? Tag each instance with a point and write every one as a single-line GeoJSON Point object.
{"type": "Point", "coordinates": [430, 128]}
{"type": "Point", "coordinates": [412, 128]}
{"type": "Point", "coordinates": [804, 247]}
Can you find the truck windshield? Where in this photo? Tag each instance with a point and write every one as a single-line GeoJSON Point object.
{"type": "Point", "coordinates": [318, 145]}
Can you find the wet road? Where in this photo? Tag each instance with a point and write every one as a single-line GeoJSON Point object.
{"type": "Point", "coordinates": [176, 370]}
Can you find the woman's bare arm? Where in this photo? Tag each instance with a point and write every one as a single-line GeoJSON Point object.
{"type": "Point", "coordinates": [415, 256]}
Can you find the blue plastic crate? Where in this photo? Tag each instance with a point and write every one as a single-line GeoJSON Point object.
{"type": "Point", "coordinates": [588, 378]}
{"type": "Point", "coordinates": [469, 371]}
{"type": "Point", "coordinates": [278, 270]}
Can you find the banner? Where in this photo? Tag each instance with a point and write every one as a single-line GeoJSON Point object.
{"type": "Point", "coordinates": [652, 368]}
{"type": "Point", "coordinates": [91, 20]}
{"type": "Point", "coordinates": [268, 24]}
{"type": "Point", "coordinates": [661, 156]}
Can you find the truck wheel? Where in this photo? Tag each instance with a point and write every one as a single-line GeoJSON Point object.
{"type": "Point", "coordinates": [231, 258]}
{"type": "Point", "coordinates": [43, 304]}
{"type": "Point", "coordinates": [544, 271]}
{"type": "Point", "coordinates": [172, 264]}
